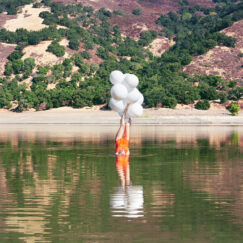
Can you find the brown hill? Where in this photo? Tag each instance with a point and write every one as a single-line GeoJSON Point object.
{"type": "Point", "coordinates": [132, 25]}
{"type": "Point", "coordinates": [223, 61]}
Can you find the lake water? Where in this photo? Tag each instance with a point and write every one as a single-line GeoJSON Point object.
{"type": "Point", "coordinates": [64, 184]}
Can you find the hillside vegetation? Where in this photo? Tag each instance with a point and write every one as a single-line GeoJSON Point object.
{"type": "Point", "coordinates": [80, 75]}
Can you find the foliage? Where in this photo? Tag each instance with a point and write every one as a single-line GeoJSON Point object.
{"type": "Point", "coordinates": [15, 55]}
{"type": "Point", "coordinates": [169, 102]}
{"type": "Point", "coordinates": [118, 12]}
{"type": "Point", "coordinates": [146, 37]}
{"type": "Point", "coordinates": [137, 11]}
{"type": "Point", "coordinates": [56, 49]}
{"type": "Point", "coordinates": [161, 79]}
{"type": "Point", "coordinates": [234, 108]}
{"type": "Point", "coordinates": [207, 92]}
{"type": "Point", "coordinates": [235, 93]}
{"type": "Point", "coordinates": [12, 6]}
{"type": "Point", "coordinates": [223, 98]}
{"type": "Point", "coordinates": [202, 105]}
{"type": "Point", "coordinates": [73, 44]}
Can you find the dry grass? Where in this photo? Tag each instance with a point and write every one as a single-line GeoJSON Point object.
{"type": "Point", "coordinates": [42, 57]}
{"type": "Point", "coordinates": [160, 45]}
{"type": "Point", "coordinates": [222, 60]}
{"type": "Point", "coordinates": [5, 50]}
{"type": "Point", "coordinates": [28, 19]}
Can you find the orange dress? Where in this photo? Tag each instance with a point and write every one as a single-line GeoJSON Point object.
{"type": "Point", "coordinates": [122, 146]}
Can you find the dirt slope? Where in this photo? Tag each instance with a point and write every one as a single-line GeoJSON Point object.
{"type": "Point", "coordinates": [224, 61]}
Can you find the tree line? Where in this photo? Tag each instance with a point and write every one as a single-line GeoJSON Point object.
{"type": "Point", "coordinates": [161, 80]}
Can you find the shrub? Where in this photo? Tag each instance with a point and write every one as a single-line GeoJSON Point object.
{"type": "Point", "coordinates": [207, 92]}
{"type": "Point", "coordinates": [202, 105]}
{"type": "Point", "coordinates": [73, 44]}
{"type": "Point", "coordinates": [137, 11]}
{"type": "Point", "coordinates": [154, 96]}
{"type": "Point", "coordinates": [232, 84]}
{"type": "Point", "coordinates": [118, 12]}
{"type": "Point", "coordinates": [234, 108]}
{"type": "Point", "coordinates": [235, 93]}
{"type": "Point", "coordinates": [56, 49]}
{"type": "Point", "coordinates": [223, 98]}
{"type": "Point", "coordinates": [86, 55]}
{"type": "Point", "coordinates": [15, 55]}
{"type": "Point", "coordinates": [169, 102]}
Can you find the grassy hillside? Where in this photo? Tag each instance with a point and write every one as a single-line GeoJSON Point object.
{"type": "Point", "coordinates": [65, 58]}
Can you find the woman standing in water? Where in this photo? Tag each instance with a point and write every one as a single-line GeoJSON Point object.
{"type": "Point", "coordinates": [122, 151]}
{"type": "Point", "coordinates": [128, 199]}
{"type": "Point", "coordinates": [122, 137]}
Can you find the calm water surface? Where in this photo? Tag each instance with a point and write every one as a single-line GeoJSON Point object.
{"type": "Point", "coordinates": [63, 184]}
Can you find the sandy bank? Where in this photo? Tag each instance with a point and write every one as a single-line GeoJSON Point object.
{"type": "Point", "coordinates": [67, 115]}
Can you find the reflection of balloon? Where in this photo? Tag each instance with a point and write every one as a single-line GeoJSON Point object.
{"type": "Point", "coordinates": [131, 80]}
{"type": "Point", "coordinates": [133, 96]}
{"type": "Point", "coordinates": [116, 105]}
{"type": "Point", "coordinates": [119, 92]}
{"type": "Point", "coordinates": [141, 99]}
{"type": "Point", "coordinates": [116, 77]}
{"type": "Point", "coordinates": [135, 110]}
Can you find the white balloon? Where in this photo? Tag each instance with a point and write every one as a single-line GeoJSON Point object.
{"type": "Point", "coordinates": [117, 105]}
{"type": "Point", "coordinates": [131, 80]}
{"type": "Point", "coordinates": [133, 96]}
{"type": "Point", "coordinates": [135, 110]}
{"type": "Point", "coordinates": [119, 92]}
{"type": "Point", "coordinates": [141, 99]}
{"type": "Point", "coordinates": [116, 77]}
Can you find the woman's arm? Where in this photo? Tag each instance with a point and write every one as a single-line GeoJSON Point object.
{"type": "Point", "coordinates": [121, 129]}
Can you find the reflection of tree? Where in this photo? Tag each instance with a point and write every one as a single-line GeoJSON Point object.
{"type": "Point", "coordinates": [61, 182]}
{"type": "Point", "coordinates": [235, 138]}
{"type": "Point", "coordinates": [191, 207]}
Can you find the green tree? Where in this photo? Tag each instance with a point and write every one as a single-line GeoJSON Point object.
{"type": "Point", "coordinates": [73, 44]}
{"type": "Point", "coordinates": [8, 69]}
{"type": "Point", "coordinates": [202, 105]}
{"type": "Point", "coordinates": [137, 11]}
{"type": "Point", "coordinates": [154, 96]}
{"type": "Point", "coordinates": [235, 93]}
{"type": "Point", "coordinates": [207, 92]}
{"type": "Point", "coordinates": [169, 102]}
{"type": "Point", "coordinates": [234, 108]}
{"type": "Point", "coordinates": [15, 55]}
{"type": "Point", "coordinates": [56, 49]}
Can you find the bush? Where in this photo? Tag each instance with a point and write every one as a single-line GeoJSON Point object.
{"type": "Point", "coordinates": [118, 12]}
{"type": "Point", "coordinates": [232, 84]}
{"type": "Point", "coordinates": [202, 105]}
{"type": "Point", "coordinates": [223, 98]}
{"type": "Point", "coordinates": [15, 55]}
{"type": "Point", "coordinates": [86, 55]}
{"type": "Point", "coordinates": [56, 49]}
{"type": "Point", "coordinates": [169, 102]}
{"type": "Point", "coordinates": [137, 11]}
{"type": "Point", "coordinates": [235, 93]}
{"type": "Point", "coordinates": [154, 96]}
{"type": "Point", "coordinates": [207, 92]}
{"type": "Point", "coordinates": [73, 44]}
{"type": "Point", "coordinates": [234, 108]}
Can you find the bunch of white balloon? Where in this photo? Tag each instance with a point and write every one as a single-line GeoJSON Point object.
{"type": "Point", "coordinates": [125, 96]}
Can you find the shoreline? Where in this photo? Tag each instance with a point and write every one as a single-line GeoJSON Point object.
{"type": "Point", "coordinates": [94, 116]}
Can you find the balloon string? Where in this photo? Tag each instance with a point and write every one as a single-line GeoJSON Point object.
{"type": "Point", "coordinates": [125, 111]}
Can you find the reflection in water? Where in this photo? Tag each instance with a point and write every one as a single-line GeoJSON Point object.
{"type": "Point", "coordinates": [59, 187]}
{"type": "Point", "coordinates": [128, 199]}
